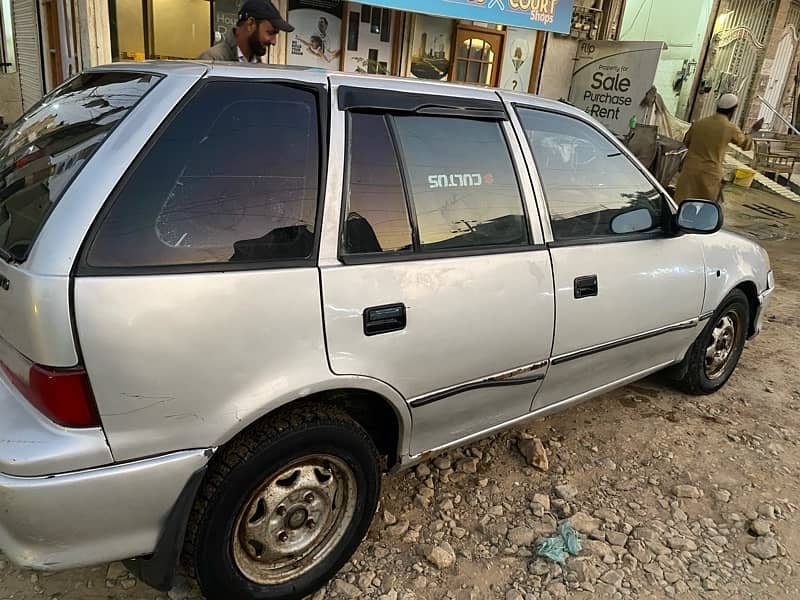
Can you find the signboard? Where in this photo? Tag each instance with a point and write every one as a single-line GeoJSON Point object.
{"type": "Point", "coordinates": [611, 78]}
{"type": "Point", "coordinates": [316, 40]}
{"type": "Point", "coordinates": [545, 15]}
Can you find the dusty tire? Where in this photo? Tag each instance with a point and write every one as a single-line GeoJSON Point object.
{"type": "Point", "coordinates": [713, 357]}
{"type": "Point", "coordinates": [283, 507]}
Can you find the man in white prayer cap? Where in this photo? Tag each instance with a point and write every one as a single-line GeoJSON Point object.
{"type": "Point", "coordinates": [707, 141]}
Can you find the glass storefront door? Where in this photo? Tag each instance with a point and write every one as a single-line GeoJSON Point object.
{"type": "Point", "coordinates": [477, 56]}
{"type": "Point", "coordinates": [164, 29]}
{"type": "Point", "coordinates": [225, 14]}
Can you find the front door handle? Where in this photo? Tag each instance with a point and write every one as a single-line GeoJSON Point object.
{"type": "Point", "coordinates": [383, 319]}
{"type": "Point", "coordinates": [585, 286]}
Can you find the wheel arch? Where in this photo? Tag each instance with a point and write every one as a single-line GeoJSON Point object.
{"type": "Point", "coordinates": [374, 405]}
{"type": "Point", "coordinates": [751, 291]}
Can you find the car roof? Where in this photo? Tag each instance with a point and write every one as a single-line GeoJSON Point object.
{"type": "Point", "coordinates": [199, 69]}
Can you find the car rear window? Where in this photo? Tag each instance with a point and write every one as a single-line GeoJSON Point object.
{"type": "Point", "coordinates": [43, 152]}
{"type": "Point", "coordinates": [233, 178]}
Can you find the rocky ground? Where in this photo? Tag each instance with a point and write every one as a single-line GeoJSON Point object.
{"type": "Point", "coordinates": [673, 496]}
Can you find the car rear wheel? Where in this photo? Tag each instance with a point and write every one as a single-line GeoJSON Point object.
{"type": "Point", "coordinates": [713, 357]}
{"type": "Point", "coordinates": [284, 506]}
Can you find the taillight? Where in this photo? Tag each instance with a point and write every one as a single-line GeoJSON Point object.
{"type": "Point", "coordinates": [62, 395]}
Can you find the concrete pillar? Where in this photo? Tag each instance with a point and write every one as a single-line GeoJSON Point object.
{"type": "Point", "coordinates": [95, 33]}
{"type": "Point", "coordinates": [277, 54]}
{"type": "Point", "coordinates": [10, 97]}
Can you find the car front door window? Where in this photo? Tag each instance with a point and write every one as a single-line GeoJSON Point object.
{"type": "Point", "coordinates": [588, 181]}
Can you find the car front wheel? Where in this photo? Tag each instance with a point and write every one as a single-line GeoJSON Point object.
{"type": "Point", "coordinates": [284, 507]}
{"type": "Point", "coordinates": [713, 357]}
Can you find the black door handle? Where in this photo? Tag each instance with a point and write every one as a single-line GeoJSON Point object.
{"type": "Point", "coordinates": [585, 286]}
{"type": "Point", "coordinates": [383, 319]}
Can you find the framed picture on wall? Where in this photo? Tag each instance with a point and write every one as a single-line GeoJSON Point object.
{"type": "Point", "coordinates": [370, 47]}
{"type": "Point", "coordinates": [431, 47]}
{"type": "Point", "coordinates": [518, 59]}
{"type": "Point", "coordinates": [317, 38]}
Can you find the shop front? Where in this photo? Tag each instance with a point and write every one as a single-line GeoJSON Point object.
{"type": "Point", "coordinates": [495, 43]}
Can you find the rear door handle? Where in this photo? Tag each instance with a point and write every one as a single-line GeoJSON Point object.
{"type": "Point", "coordinates": [585, 286]}
{"type": "Point", "coordinates": [383, 319]}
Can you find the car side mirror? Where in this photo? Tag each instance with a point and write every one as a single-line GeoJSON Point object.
{"type": "Point", "coordinates": [699, 216]}
{"type": "Point", "coordinates": [632, 221]}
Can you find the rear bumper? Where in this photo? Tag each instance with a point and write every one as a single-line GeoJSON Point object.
{"type": "Point", "coordinates": [94, 515]}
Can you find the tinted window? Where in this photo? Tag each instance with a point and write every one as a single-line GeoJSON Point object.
{"type": "Point", "coordinates": [587, 180]}
{"type": "Point", "coordinates": [462, 183]}
{"type": "Point", "coordinates": [42, 152]}
{"type": "Point", "coordinates": [376, 217]}
{"type": "Point", "coordinates": [233, 178]}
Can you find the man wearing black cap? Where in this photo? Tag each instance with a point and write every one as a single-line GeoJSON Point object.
{"type": "Point", "coordinates": [256, 29]}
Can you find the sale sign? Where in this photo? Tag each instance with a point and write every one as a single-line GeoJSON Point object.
{"type": "Point", "coordinates": [611, 78]}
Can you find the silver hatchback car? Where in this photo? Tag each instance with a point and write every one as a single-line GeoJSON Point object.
{"type": "Point", "coordinates": [232, 296]}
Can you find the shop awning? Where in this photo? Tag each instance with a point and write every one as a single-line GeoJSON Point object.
{"type": "Point", "coordinates": [545, 15]}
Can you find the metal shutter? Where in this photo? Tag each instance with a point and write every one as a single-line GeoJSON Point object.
{"type": "Point", "coordinates": [29, 51]}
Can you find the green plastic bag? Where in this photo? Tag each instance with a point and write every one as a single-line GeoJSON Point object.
{"type": "Point", "coordinates": [558, 547]}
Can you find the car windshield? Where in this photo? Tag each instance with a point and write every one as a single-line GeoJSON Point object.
{"type": "Point", "coordinates": [42, 152]}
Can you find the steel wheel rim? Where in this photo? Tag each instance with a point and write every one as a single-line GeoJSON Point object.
{"type": "Point", "coordinates": [294, 519]}
{"type": "Point", "coordinates": [724, 340]}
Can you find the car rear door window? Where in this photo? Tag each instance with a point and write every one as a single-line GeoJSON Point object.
{"type": "Point", "coordinates": [462, 183]}
{"type": "Point", "coordinates": [376, 213]}
{"type": "Point", "coordinates": [234, 177]}
{"type": "Point", "coordinates": [44, 151]}
{"type": "Point", "coordinates": [587, 180]}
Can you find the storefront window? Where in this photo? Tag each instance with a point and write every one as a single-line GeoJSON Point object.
{"type": "Point", "coordinates": [127, 23]}
{"type": "Point", "coordinates": [163, 29]}
{"type": "Point", "coordinates": [225, 14]}
{"type": "Point", "coordinates": [181, 29]}
{"type": "Point", "coordinates": [7, 60]}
